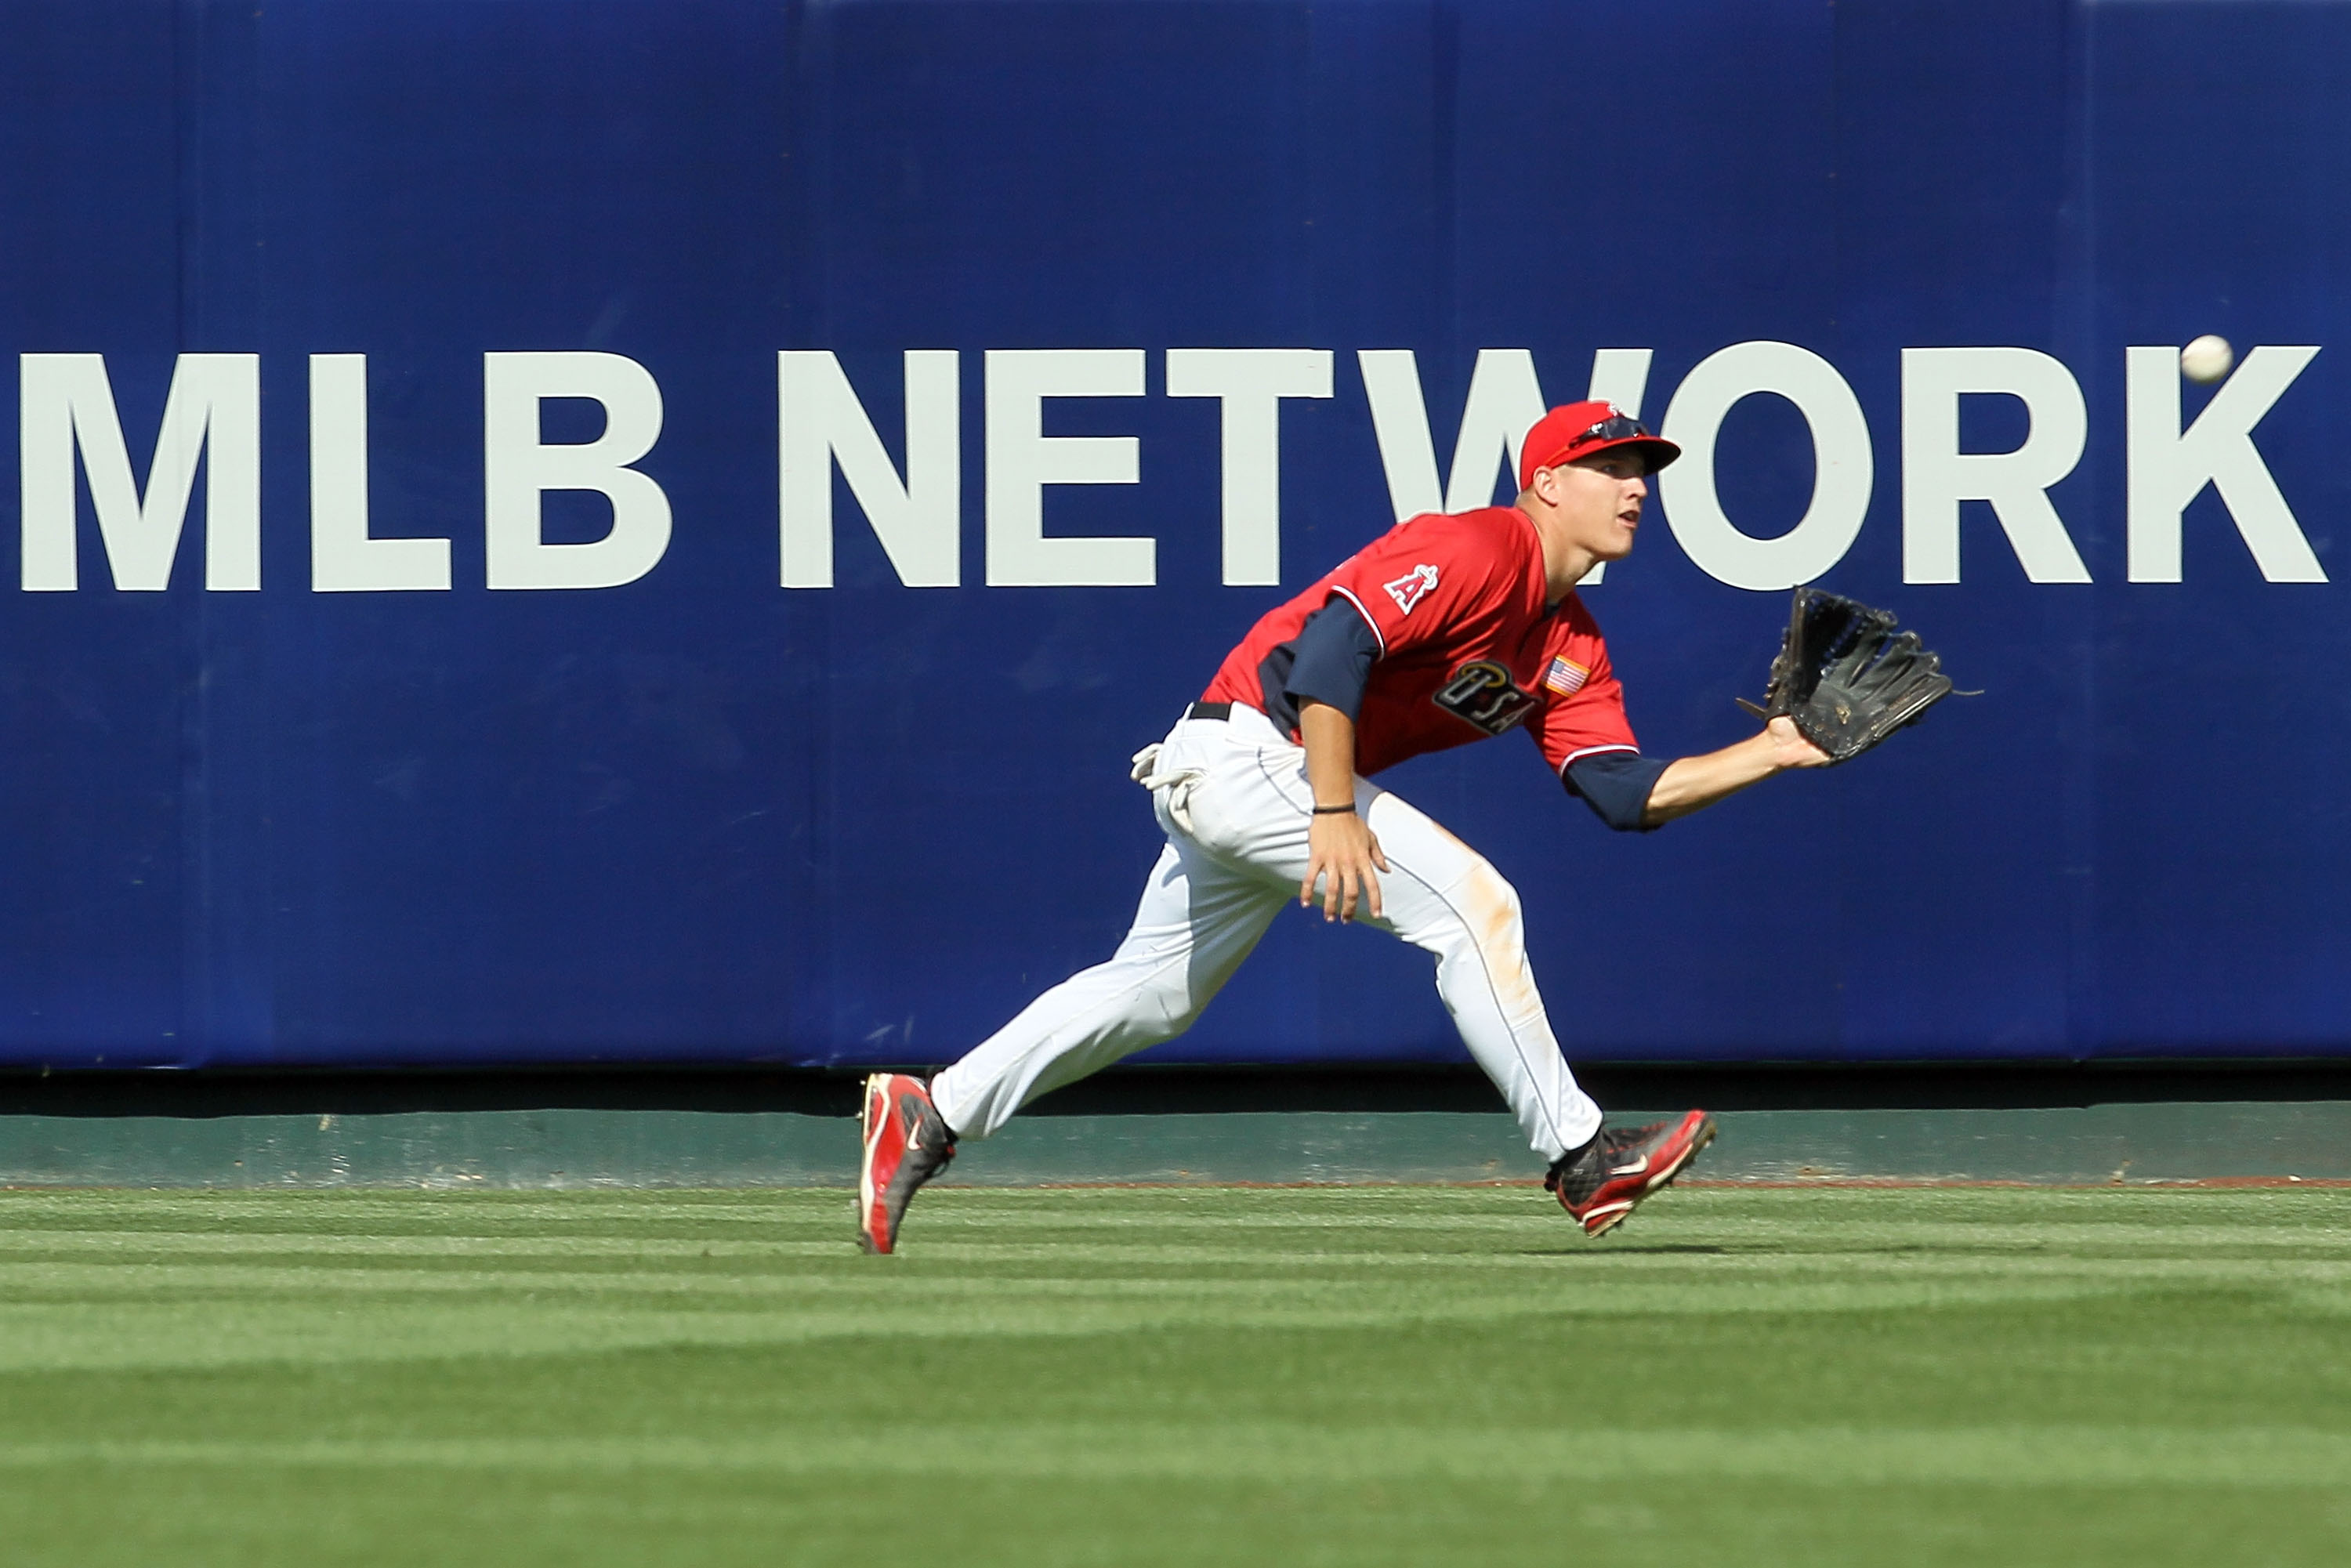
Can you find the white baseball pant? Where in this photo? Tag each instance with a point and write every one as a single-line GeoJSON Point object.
{"type": "Point", "coordinates": [1232, 796]}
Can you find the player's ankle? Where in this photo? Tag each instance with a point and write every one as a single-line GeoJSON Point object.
{"type": "Point", "coordinates": [1566, 1161]}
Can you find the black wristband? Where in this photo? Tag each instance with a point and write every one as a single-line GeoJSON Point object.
{"type": "Point", "coordinates": [1335, 811]}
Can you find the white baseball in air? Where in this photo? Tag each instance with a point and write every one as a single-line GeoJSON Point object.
{"type": "Point", "coordinates": [2207, 359]}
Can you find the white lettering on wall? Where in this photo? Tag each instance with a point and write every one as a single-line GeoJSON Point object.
{"type": "Point", "coordinates": [518, 468]}
{"type": "Point", "coordinates": [70, 426]}
{"type": "Point", "coordinates": [1251, 384]}
{"type": "Point", "coordinates": [1022, 460]}
{"type": "Point", "coordinates": [2168, 466]}
{"type": "Point", "coordinates": [1841, 456]}
{"type": "Point", "coordinates": [344, 557]}
{"type": "Point", "coordinates": [213, 411]}
{"type": "Point", "coordinates": [1400, 426]}
{"type": "Point", "coordinates": [1505, 400]}
{"type": "Point", "coordinates": [820, 421]}
{"type": "Point", "coordinates": [1936, 476]}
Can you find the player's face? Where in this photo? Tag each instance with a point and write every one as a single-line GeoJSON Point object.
{"type": "Point", "coordinates": [1600, 501]}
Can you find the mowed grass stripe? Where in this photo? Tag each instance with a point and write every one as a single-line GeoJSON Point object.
{"type": "Point", "coordinates": [182, 1336]}
{"type": "Point", "coordinates": [1043, 1268]}
{"type": "Point", "coordinates": [1697, 1223]}
{"type": "Point", "coordinates": [1063, 1209]}
{"type": "Point", "coordinates": [2007, 1455]}
{"type": "Point", "coordinates": [140, 1296]}
{"type": "Point", "coordinates": [85, 1335]}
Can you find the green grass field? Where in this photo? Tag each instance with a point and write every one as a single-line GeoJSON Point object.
{"type": "Point", "coordinates": [1357, 1376]}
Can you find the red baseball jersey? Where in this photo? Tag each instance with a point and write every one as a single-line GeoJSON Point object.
{"type": "Point", "coordinates": [1467, 647]}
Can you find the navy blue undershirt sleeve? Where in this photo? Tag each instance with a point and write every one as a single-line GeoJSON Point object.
{"type": "Point", "coordinates": [1336, 648]}
{"type": "Point", "coordinates": [1615, 785]}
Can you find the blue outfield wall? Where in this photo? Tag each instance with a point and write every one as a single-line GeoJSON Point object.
{"type": "Point", "coordinates": [635, 530]}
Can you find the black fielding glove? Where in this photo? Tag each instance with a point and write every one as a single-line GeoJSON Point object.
{"type": "Point", "coordinates": [1846, 677]}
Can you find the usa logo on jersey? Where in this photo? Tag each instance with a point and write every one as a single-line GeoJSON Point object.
{"type": "Point", "coordinates": [1412, 587]}
{"type": "Point", "coordinates": [1482, 693]}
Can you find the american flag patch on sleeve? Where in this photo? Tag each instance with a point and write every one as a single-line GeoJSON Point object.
{"type": "Point", "coordinates": [1566, 676]}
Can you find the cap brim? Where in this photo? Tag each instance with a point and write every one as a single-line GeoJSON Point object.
{"type": "Point", "coordinates": [1655, 451]}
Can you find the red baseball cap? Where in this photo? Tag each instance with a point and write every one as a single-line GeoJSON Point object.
{"type": "Point", "coordinates": [1580, 429]}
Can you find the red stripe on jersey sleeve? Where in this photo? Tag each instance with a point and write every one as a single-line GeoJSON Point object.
{"type": "Point", "coordinates": [1592, 718]}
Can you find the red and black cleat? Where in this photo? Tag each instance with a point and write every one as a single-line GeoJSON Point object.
{"type": "Point", "coordinates": [907, 1143]}
{"type": "Point", "coordinates": [1600, 1183]}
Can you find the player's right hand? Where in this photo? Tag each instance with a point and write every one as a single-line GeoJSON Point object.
{"type": "Point", "coordinates": [1340, 853]}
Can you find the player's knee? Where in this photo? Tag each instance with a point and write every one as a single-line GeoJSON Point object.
{"type": "Point", "coordinates": [1491, 914]}
{"type": "Point", "coordinates": [1165, 1010]}
{"type": "Point", "coordinates": [1179, 1012]}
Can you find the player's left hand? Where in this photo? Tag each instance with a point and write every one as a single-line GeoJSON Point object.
{"type": "Point", "coordinates": [1340, 853]}
{"type": "Point", "coordinates": [1844, 678]}
{"type": "Point", "coordinates": [1789, 746]}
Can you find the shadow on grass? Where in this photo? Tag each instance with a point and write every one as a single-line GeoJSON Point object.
{"type": "Point", "coordinates": [1604, 1248]}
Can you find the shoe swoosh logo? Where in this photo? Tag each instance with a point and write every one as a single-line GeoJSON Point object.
{"type": "Point", "coordinates": [1635, 1168]}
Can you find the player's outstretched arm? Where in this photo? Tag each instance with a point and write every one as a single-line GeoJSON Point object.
{"type": "Point", "coordinates": [1341, 847]}
{"type": "Point", "coordinates": [1690, 783]}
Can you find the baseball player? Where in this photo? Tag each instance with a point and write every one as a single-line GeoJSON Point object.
{"type": "Point", "coordinates": [1448, 629]}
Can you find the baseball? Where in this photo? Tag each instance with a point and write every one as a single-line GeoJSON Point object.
{"type": "Point", "coordinates": [2207, 359]}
